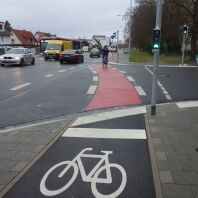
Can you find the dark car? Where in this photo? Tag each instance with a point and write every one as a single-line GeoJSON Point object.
{"type": "Point", "coordinates": [95, 53]}
{"type": "Point", "coordinates": [71, 56]}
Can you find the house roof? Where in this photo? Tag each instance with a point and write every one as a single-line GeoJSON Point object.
{"type": "Point", "coordinates": [43, 34]}
{"type": "Point", "coordinates": [26, 37]}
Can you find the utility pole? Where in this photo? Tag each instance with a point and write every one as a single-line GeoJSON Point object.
{"type": "Point", "coordinates": [117, 46]}
{"type": "Point", "coordinates": [156, 57]}
{"type": "Point", "coordinates": [130, 27]}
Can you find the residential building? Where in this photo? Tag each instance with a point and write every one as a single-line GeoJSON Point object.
{"type": "Point", "coordinates": [23, 37]}
{"type": "Point", "coordinates": [100, 41]}
{"type": "Point", "coordinates": [5, 34]}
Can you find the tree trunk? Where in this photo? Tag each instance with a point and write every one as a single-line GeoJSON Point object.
{"type": "Point", "coordinates": [194, 31]}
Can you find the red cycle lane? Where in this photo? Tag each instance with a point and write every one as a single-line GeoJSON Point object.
{"type": "Point", "coordinates": [113, 90]}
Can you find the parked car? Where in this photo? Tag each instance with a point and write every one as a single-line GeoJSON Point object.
{"type": "Point", "coordinates": [71, 56]}
{"type": "Point", "coordinates": [95, 52]}
{"type": "Point", "coordinates": [17, 56]}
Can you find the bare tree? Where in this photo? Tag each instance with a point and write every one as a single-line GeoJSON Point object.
{"type": "Point", "coordinates": [175, 14]}
{"type": "Point", "coordinates": [190, 11]}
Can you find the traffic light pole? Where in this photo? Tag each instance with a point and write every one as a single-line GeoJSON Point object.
{"type": "Point", "coordinates": [117, 46]}
{"type": "Point", "coordinates": [156, 59]}
{"type": "Point", "coordinates": [183, 49]}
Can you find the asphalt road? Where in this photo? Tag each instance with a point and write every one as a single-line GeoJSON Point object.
{"type": "Point", "coordinates": [49, 90]}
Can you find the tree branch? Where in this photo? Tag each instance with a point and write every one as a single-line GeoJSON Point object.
{"type": "Point", "coordinates": [182, 6]}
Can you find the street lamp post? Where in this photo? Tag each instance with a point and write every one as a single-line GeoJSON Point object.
{"type": "Point", "coordinates": [130, 26]}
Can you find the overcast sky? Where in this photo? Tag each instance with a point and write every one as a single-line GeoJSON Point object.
{"type": "Point", "coordinates": [69, 18]}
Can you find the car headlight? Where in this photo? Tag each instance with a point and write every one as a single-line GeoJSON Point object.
{"type": "Point", "coordinates": [17, 58]}
{"type": "Point", "coordinates": [1, 57]}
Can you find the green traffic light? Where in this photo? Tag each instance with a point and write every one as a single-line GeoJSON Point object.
{"type": "Point", "coordinates": [156, 46]}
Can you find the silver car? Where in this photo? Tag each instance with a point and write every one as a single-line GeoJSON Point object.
{"type": "Point", "coordinates": [17, 56]}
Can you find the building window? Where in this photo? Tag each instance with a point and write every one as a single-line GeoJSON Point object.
{"type": "Point", "coordinates": [1, 27]}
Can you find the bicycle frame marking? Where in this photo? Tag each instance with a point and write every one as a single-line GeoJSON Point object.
{"type": "Point", "coordinates": [89, 177]}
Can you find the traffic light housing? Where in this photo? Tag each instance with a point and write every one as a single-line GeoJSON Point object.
{"type": "Point", "coordinates": [156, 39]}
{"type": "Point", "coordinates": [185, 30]}
{"type": "Point", "coordinates": [190, 30]}
{"type": "Point", "coordinates": [113, 36]}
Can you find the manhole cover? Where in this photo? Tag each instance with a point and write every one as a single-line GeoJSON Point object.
{"type": "Point", "coordinates": [196, 149]}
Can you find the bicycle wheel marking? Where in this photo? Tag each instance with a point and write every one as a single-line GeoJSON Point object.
{"type": "Point", "coordinates": [92, 177]}
{"type": "Point", "coordinates": [48, 192]}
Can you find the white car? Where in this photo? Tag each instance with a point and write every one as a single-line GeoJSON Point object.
{"type": "Point", "coordinates": [17, 56]}
{"type": "Point", "coordinates": [85, 48]}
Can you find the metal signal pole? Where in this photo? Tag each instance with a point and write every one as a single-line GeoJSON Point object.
{"type": "Point", "coordinates": [156, 59]}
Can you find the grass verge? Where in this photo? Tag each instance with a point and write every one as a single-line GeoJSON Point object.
{"type": "Point", "coordinates": [140, 56]}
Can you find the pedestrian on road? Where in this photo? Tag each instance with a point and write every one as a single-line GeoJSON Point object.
{"type": "Point", "coordinates": [105, 53]}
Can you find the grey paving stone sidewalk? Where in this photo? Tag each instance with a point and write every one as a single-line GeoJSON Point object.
{"type": "Point", "coordinates": [173, 136]}
{"type": "Point", "coordinates": [18, 148]}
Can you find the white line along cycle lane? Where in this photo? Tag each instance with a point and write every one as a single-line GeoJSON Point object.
{"type": "Point", "coordinates": [95, 158]}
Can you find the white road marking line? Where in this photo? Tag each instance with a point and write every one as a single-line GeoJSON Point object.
{"type": "Point", "coordinates": [20, 86]}
{"type": "Point", "coordinates": [72, 67]}
{"type": "Point", "coordinates": [187, 104]}
{"type": "Point", "coordinates": [140, 91]}
{"type": "Point", "coordinates": [105, 133]}
{"type": "Point", "coordinates": [110, 115]}
{"type": "Point", "coordinates": [123, 72]}
{"type": "Point", "coordinates": [167, 96]}
{"type": "Point", "coordinates": [149, 70]}
{"type": "Point", "coordinates": [158, 82]}
{"type": "Point", "coordinates": [113, 63]}
{"type": "Point", "coordinates": [92, 89]}
{"type": "Point", "coordinates": [63, 70]}
{"type": "Point", "coordinates": [95, 78]}
{"type": "Point", "coordinates": [14, 128]}
{"type": "Point", "coordinates": [49, 75]}
{"type": "Point", "coordinates": [94, 72]}
{"type": "Point", "coordinates": [130, 78]}
{"type": "Point", "coordinates": [165, 92]}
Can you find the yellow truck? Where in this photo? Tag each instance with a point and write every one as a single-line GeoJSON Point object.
{"type": "Point", "coordinates": [55, 47]}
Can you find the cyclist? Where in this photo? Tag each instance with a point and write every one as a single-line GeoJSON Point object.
{"type": "Point", "coordinates": [105, 53]}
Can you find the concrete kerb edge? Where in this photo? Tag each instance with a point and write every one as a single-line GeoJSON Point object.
{"type": "Point", "coordinates": [34, 160]}
{"type": "Point", "coordinates": [156, 176]}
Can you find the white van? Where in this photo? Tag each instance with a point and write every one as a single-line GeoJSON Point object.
{"type": "Point", "coordinates": [85, 48]}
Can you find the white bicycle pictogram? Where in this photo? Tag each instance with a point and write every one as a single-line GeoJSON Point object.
{"type": "Point", "coordinates": [92, 176]}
